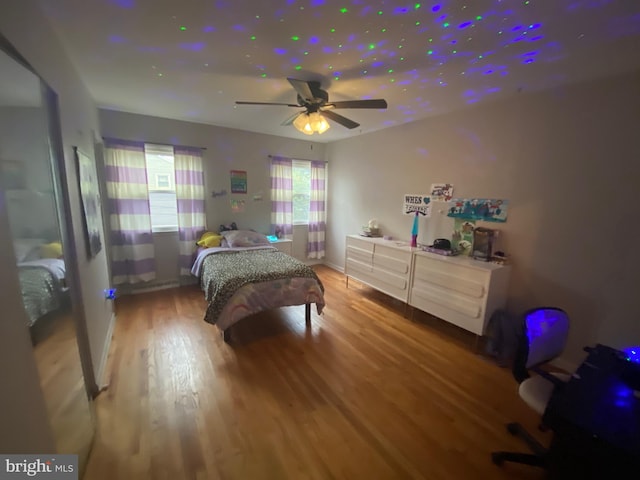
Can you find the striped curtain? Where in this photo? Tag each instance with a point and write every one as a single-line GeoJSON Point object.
{"type": "Point", "coordinates": [190, 198]}
{"type": "Point", "coordinates": [281, 196]}
{"type": "Point", "coordinates": [317, 211]}
{"type": "Point", "coordinates": [132, 251]}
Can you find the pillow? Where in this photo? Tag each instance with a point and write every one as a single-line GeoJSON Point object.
{"type": "Point", "coordinates": [244, 238]}
{"type": "Point", "coordinates": [209, 239]}
{"type": "Point", "coordinates": [51, 250]}
{"type": "Point", "coordinates": [26, 249]}
{"type": "Point", "coordinates": [226, 228]}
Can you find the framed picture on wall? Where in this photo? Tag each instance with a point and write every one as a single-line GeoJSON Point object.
{"type": "Point", "coordinates": [90, 194]}
{"type": "Point", "coordinates": [238, 181]}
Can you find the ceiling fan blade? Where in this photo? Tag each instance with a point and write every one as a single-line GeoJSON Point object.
{"type": "Point", "coordinates": [268, 103]}
{"type": "Point", "coordinates": [290, 120]}
{"type": "Point", "coordinates": [373, 103]}
{"type": "Point", "coordinates": [344, 121]}
{"type": "Point", "coordinates": [303, 89]}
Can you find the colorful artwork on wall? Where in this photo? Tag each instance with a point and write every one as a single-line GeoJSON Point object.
{"type": "Point", "coordinates": [441, 192]}
{"type": "Point", "coordinates": [488, 210]}
{"type": "Point", "coordinates": [238, 181]}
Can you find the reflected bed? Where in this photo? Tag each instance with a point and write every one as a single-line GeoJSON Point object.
{"type": "Point", "coordinates": [42, 287]}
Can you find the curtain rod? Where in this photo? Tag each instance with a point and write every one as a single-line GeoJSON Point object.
{"type": "Point", "coordinates": [155, 143]}
{"type": "Point", "coordinates": [296, 158]}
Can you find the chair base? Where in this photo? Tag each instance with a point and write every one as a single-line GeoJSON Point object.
{"type": "Point", "coordinates": [538, 458]}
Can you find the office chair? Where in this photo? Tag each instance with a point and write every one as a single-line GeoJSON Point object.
{"type": "Point", "coordinates": [545, 333]}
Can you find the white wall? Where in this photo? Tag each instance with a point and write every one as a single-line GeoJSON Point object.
{"type": "Point", "coordinates": [226, 149]}
{"type": "Point", "coordinates": [22, 22]}
{"type": "Point", "coordinates": [23, 135]}
{"type": "Point", "coordinates": [568, 161]}
{"type": "Point", "coordinates": [24, 425]}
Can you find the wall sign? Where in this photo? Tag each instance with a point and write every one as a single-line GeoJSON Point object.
{"type": "Point", "coordinates": [416, 203]}
{"type": "Point", "coordinates": [238, 181]}
{"type": "Point", "coordinates": [486, 209]}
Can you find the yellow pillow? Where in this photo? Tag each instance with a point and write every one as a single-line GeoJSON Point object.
{"type": "Point", "coordinates": [51, 250]}
{"type": "Point", "coordinates": [209, 239]}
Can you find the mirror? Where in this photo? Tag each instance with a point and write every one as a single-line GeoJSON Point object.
{"type": "Point", "coordinates": [31, 180]}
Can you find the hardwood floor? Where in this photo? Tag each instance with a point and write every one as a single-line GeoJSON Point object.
{"type": "Point", "coordinates": [70, 414]}
{"type": "Point", "coordinates": [364, 393]}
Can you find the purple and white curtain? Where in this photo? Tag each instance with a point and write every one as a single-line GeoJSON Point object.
{"type": "Point", "coordinates": [190, 197]}
{"type": "Point", "coordinates": [317, 210]}
{"type": "Point", "coordinates": [281, 196]}
{"type": "Point", "coordinates": [132, 251]}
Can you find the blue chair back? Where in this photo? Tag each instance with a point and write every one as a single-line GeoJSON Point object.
{"type": "Point", "coordinates": [545, 333]}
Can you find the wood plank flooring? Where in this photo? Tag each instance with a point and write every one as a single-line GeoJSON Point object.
{"type": "Point", "coordinates": [70, 412]}
{"type": "Point", "coordinates": [364, 393]}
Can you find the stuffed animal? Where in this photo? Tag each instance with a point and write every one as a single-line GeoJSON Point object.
{"type": "Point", "coordinates": [226, 228]}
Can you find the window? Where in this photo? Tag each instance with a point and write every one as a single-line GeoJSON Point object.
{"type": "Point", "coordinates": [162, 192]}
{"type": "Point", "coordinates": [301, 191]}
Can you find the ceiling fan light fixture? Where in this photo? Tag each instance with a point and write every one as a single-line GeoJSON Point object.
{"type": "Point", "coordinates": [310, 123]}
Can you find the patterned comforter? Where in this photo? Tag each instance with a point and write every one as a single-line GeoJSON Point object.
{"type": "Point", "coordinates": [241, 283]}
{"type": "Point", "coordinates": [42, 287]}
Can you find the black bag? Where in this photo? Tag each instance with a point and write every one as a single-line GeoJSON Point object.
{"type": "Point", "coordinates": [504, 331]}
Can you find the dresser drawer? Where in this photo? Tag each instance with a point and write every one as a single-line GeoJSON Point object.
{"type": "Point", "coordinates": [382, 275]}
{"type": "Point", "coordinates": [449, 271]}
{"type": "Point", "coordinates": [447, 298]}
{"type": "Point", "coordinates": [360, 255]}
{"type": "Point", "coordinates": [355, 265]}
{"type": "Point", "coordinates": [451, 282]}
{"type": "Point", "coordinates": [360, 244]}
{"type": "Point", "coordinates": [392, 260]}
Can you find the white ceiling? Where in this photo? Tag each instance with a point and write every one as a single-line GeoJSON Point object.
{"type": "Point", "coordinates": [190, 60]}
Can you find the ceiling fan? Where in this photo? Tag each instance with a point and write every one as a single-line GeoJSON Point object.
{"type": "Point", "coordinates": [316, 103]}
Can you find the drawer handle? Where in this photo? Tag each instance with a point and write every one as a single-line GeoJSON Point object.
{"type": "Point", "coordinates": [469, 311]}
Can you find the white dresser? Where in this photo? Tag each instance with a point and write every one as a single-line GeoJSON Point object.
{"type": "Point", "coordinates": [457, 289]}
{"type": "Point", "coordinates": [284, 245]}
{"type": "Point", "coordinates": [382, 264]}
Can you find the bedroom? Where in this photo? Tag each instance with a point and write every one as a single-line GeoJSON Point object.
{"type": "Point", "coordinates": [550, 153]}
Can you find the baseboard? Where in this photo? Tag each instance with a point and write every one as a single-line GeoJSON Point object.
{"type": "Point", "coordinates": [100, 380]}
{"type": "Point", "coordinates": [151, 288]}
{"type": "Point", "coordinates": [312, 261]}
{"type": "Point", "coordinates": [339, 268]}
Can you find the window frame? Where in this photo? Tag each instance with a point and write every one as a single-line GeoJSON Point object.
{"type": "Point", "coordinates": [156, 149]}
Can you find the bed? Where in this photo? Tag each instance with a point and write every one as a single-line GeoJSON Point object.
{"type": "Point", "coordinates": [42, 279]}
{"type": "Point", "coordinates": [240, 280]}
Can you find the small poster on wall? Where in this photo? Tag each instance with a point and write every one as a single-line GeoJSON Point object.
{"type": "Point", "coordinates": [488, 210]}
{"type": "Point", "coordinates": [416, 203]}
{"type": "Point", "coordinates": [238, 181]}
{"type": "Point", "coordinates": [441, 192]}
